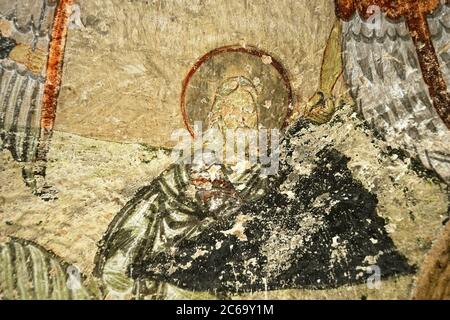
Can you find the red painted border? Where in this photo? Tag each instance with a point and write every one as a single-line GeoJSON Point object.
{"type": "Point", "coordinates": [53, 75]}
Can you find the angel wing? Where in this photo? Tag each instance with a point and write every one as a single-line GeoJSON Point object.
{"type": "Point", "coordinates": [35, 32]}
{"type": "Point", "coordinates": [22, 74]}
{"type": "Point", "coordinates": [384, 76]}
{"type": "Point", "coordinates": [439, 24]}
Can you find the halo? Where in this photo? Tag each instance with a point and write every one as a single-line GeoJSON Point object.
{"type": "Point", "coordinates": [266, 60]}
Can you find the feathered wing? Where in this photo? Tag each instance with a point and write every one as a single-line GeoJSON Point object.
{"type": "Point", "coordinates": [20, 96]}
{"type": "Point", "coordinates": [383, 72]}
{"type": "Point", "coordinates": [32, 19]}
{"type": "Point", "coordinates": [22, 78]}
{"type": "Point", "coordinates": [439, 23]}
{"type": "Point", "coordinates": [29, 272]}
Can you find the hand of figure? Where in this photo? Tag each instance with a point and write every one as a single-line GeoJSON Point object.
{"type": "Point", "coordinates": [320, 108]}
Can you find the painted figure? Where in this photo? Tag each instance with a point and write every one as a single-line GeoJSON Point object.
{"type": "Point", "coordinates": [178, 231]}
{"type": "Point", "coordinates": [219, 225]}
{"type": "Point", "coordinates": [185, 199]}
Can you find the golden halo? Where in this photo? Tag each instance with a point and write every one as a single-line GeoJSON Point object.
{"type": "Point", "coordinates": [275, 99]}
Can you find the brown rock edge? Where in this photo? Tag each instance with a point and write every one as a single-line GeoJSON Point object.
{"type": "Point", "coordinates": [53, 76]}
{"type": "Point", "coordinates": [433, 281]}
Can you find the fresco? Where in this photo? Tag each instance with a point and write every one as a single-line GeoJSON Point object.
{"type": "Point", "coordinates": [224, 150]}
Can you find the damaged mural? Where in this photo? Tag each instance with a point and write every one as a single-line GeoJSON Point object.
{"type": "Point", "coordinates": [97, 200]}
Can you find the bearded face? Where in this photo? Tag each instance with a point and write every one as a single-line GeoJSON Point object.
{"type": "Point", "coordinates": [234, 106]}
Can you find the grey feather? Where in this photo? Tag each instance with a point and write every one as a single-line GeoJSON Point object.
{"type": "Point", "coordinates": [20, 107]}
{"type": "Point", "coordinates": [383, 73]}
